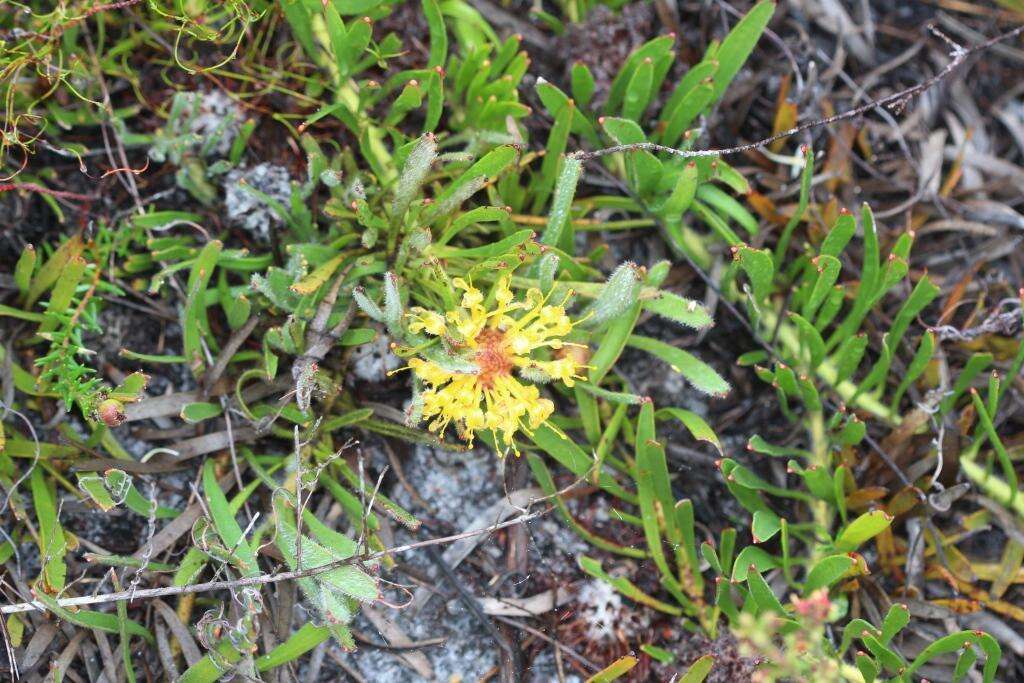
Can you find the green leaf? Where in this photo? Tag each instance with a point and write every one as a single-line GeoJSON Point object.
{"type": "Point", "coordinates": [762, 593]}
{"type": "Point", "coordinates": [63, 293]}
{"type": "Point", "coordinates": [488, 166]}
{"type": "Point", "coordinates": [638, 92]}
{"type": "Point", "coordinates": [679, 117]}
{"type": "Point", "coordinates": [438, 34]}
{"type": "Point", "coordinates": [694, 423]}
{"type": "Point", "coordinates": [752, 556]}
{"type": "Point", "coordinates": [702, 376]}
{"type": "Point", "coordinates": [334, 593]}
{"type": "Point", "coordinates": [764, 526]}
{"type": "Point", "coordinates": [812, 345]}
{"type": "Point", "coordinates": [131, 387]}
{"type": "Point", "coordinates": [52, 542]}
{"type": "Point", "coordinates": [682, 194]}
{"type": "Point", "coordinates": [757, 264]}
{"type": "Point", "coordinates": [611, 344]}
{"type": "Point", "coordinates": [197, 412]}
{"type": "Point", "coordinates": [888, 657]}
{"type": "Point", "coordinates": [654, 490]}
{"type": "Point", "coordinates": [658, 654]}
{"type": "Point", "coordinates": [554, 158]}
{"type": "Point", "coordinates": [757, 444]}
{"type": "Point", "coordinates": [617, 296]}
{"type": "Point", "coordinates": [839, 236]}
{"type": "Point", "coordinates": [24, 268]}
{"type": "Point", "coordinates": [1009, 471]}
{"type": "Point", "coordinates": [862, 529]}
{"type": "Point", "coordinates": [625, 586]}
{"type": "Point", "coordinates": [848, 356]}
{"type": "Point", "coordinates": [953, 643]}
{"type": "Point", "coordinates": [298, 644]}
{"type": "Point", "coordinates": [683, 311]}
{"type": "Point", "coordinates": [393, 509]}
{"type": "Point", "coordinates": [101, 621]}
{"type": "Point", "coordinates": [727, 206]}
{"type": "Point", "coordinates": [826, 572]}
{"type": "Point", "coordinates": [917, 365]}
{"type": "Point", "coordinates": [227, 527]}
{"type": "Point", "coordinates": [867, 667]}
{"type": "Point", "coordinates": [193, 322]}
{"type": "Point", "coordinates": [414, 171]}
{"type": "Point", "coordinates": [653, 50]}
{"type": "Point", "coordinates": [347, 419]}
{"type": "Point", "coordinates": [975, 364]}
{"type": "Point", "coordinates": [614, 671]}
{"type": "Point", "coordinates": [738, 45]}
{"type": "Point", "coordinates": [828, 271]}
{"type": "Point", "coordinates": [801, 209]}
{"type": "Point", "coordinates": [699, 670]}
{"type": "Point", "coordinates": [92, 485]}
{"type": "Point", "coordinates": [717, 224]}
{"type": "Point", "coordinates": [357, 336]}
{"type": "Point", "coordinates": [486, 251]}
{"type": "Point", "coordinates": [574, 459]}
{"type": "Point", "coordinates": [48, 274]}
{"type": "Point", "coordinates": [895, 620]}
{"type": "Point", "coordinates": [565, 190]}
{"type": "Point", "coordinates": [583, 85]}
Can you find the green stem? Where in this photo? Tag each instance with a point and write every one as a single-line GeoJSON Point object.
{"type": "Point", "coordinates": [828, 373]}
{"type": "Point", "coordinates": [993, 487]}
{"type": "Point", "coordinates": [820, 509]}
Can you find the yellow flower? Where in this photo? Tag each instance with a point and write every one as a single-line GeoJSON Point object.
{"type": "Point", "coordinates": [494, 344]}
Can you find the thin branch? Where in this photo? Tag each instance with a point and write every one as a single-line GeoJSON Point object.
{"type": "Point", "coordinates": [264, 578]}
{"type": "Point", "coordinates": [898, 100]}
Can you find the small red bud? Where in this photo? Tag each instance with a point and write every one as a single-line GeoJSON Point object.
{"type": "Point", "coordinates": [111, 412]}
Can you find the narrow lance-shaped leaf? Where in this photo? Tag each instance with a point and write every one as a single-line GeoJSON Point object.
{"type": "Point", "coordinates": [757, 264]}
{"type": "Point", "coordinates": [862, 529]}
{"type": "Point", "coordinates": [194, 315]}
{"type": "Point", "coordinates": [826, 572]}
{"type": "Point", "coordinates": [638, 92]}
{"type": "Point", "coordinates": [616, 297]}
{"type": "Point", "coordinates": [565, 190]}
{"type": "Point", "coordinates": [438, 34]}
{"type": "Point", "coordinates": [701, 375]}
{"type": "Point", "coordinates": [738, 45]}
{"type": "Point", "coordinates": [686, 312]}
{"type": "Point", "coordinates": [24, 268]}
{"type": "Point", "coordinates": [474, 178]}
{"type": "Point", "coordinates": [223, 519]}
{"type": "Point", "coordinates": [417, 165]}
{"type": "Point", "coordinates": [798, 215]}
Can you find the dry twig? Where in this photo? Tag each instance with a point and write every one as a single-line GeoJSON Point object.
{"type": "Point", "coordinates": [896, 100]}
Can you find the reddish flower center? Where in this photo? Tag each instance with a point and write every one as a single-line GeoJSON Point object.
{"type": "Point", "coordinates": [491, 357]}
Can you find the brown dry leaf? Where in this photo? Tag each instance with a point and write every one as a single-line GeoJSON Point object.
{"type": "Point", "coordinates": [862, 498]}
{"type": "Point", "coordinates": [897, 441]}
{"type": "Point", "coordinates": [885, 542]}
{"type": "Point", "coordinates": [956, 295]}
{"type": "Point", "coordinates": [765, 208]}
{"type": "Point", "coordinates": [1003, 348]}
{"type": "Point", "coordinates": [1009, 568]}
{"type": "Point", "coordinates": [392, 634]}
{"type": "Point", "coordinates": [838, 167]}
{"type": "Point", "coordinates": [904, 501]}
{"type": "Point", "coordinates": [998, 606]}
{"type": "Point", "coordinates": [958, 605]}
{"type": "Point", "coordinates": [785, 114]}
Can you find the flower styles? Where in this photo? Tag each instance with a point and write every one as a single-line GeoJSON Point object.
{"type": "Point", "coordinates": [486, 394]}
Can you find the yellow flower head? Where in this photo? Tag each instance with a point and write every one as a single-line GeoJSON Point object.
{"type": "Point", "coordinates": [487, 395]}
